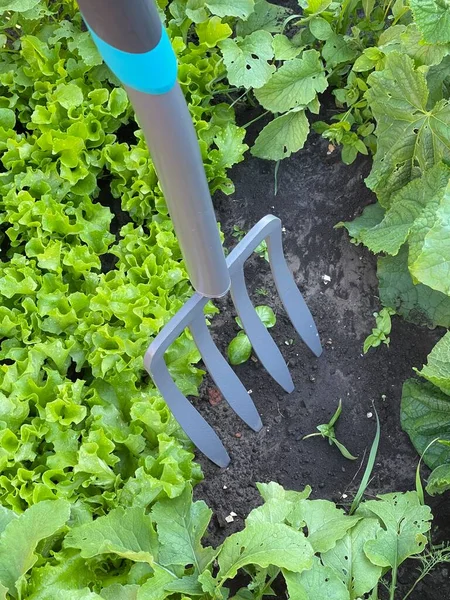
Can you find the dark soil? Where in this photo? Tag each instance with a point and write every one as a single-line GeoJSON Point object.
{"type": "Point", "coordinates": [316, 191]}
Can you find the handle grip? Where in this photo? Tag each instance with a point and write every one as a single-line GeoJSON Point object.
{"type": "Point", "coordinates": [133, 42]}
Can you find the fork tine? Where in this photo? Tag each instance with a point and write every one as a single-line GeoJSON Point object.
{"type": "Point", "coordinates": [225, 378]}
{"type": "Point", "coordinates": [191, 421]}
{"type": "Point", "coordinates": [290, 295]}
{"type": "Point", "coordinates": [264, 346]}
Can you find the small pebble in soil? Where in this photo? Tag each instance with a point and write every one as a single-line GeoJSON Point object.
{"type": "Point", "coordinates": [225, 487]}
{"type": "Point", "coordinates": [326, 279]}
{"type": "Point", "coordinates": [321, 485]}
{"type": "Point", "coordinates": [369, 415]}
{"type": "Point", "coordinates": [229, 519]}
{"type": "Point", "coordinates": [238, 434]}
{"type": "Point", "coordinates": [344, 496]}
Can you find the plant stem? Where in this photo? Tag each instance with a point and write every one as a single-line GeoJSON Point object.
{"type": "Point", "coordinates": [267, 585]}
{"type": "Point", "coordinates": [256, 119]}
{"type": "Point", "coordinates": [393, 582]}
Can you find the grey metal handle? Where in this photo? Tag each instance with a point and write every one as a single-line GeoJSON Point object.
{"type": "Point", "coordinates": [174, 148]}
{"type": "Point", "coordinates": [145, 65]}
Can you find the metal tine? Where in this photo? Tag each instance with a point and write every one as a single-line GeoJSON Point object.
{"type": "Point", "coordinates": [293, 301]}
{"type": "Point", "coordinates": [264, 346]}
{"type": "Point", "coordinates": [223, 375]}
{"type": "Point", "coordinates": [190, 420]}
{"type": "Point", "coordinates": [269, 228]}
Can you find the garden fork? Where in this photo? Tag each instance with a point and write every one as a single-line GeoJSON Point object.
{"type": "Point", "coordinates": [130, 36]}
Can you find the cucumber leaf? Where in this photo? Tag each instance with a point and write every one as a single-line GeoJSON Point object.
{"type": "Point", "coordinates": [425, 416]}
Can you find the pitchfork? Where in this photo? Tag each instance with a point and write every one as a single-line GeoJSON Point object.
{"type": "Point", "coordinates": [135, 45]}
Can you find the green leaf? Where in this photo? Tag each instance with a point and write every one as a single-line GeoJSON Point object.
{"type": "Point", "coordinates": [405, 207]}
{"type": "Point", "coordinates": [267, 316]}
{"type": "Point", "coordinates": [433, 19]}
{"type": "Point", "coordinates": [320, 28]}
{"type": "Point", "coordinates": [181, 524]}
{"type": "Point", "coordinates": [21, 536]}
{"type": "Point", "coordinates": [17, 5]}
{"type": "Point", "coordinates": [118, 102]}
{"type": "Point", "coordinates": [6, 516]}
{"type": "Point", "coordinates": [404, 520]}
{"type": "Point", "coordinates": [213, 31]}
{"type": "Point", "coordinates": [439, 480]}
{"type": "Point", "coordinates": [294, 84]}
{"type": "Point", "coordinates": [318, 583]}
{"type": "Point", "coordinates": [120, 592]}
{"type": "Point", "coordinates": [325, 522]}
{"type": "Point", "coordinates": [438, 78]}
{"type": "Point", "coordinates": [126, 532]}
{"type": "Point", "coordinates": [349, 562]}
{"type": "Point", "coordinates": [425, 416]}
{"type": "Point", "coordinates": [423, 54]}
{"type": "Point", "coordinates": [246, 59]}
{"type": "Point", "coordinates": [230, 147]}
{"type": "Point", "coordinates": [371, 216]}
{"type": "Point", "coordinates": [314, 7]}
{"type": "Point", "coordinates": [263, 545]}
{"type": "Point", "coordinates": [437, 369]}
{"type": "Point", "coordinates": [239, 349]}
{"type": "Point", "coordinates": [410, 138]}
{"type": "Point", "coordinates": [53, 580]}
{"type": "Point", "coordinates": [416, 303]}
{"type": "Point", "coordinates": [282, 136]}
{"type": "Point", "coordinates": [284, 48]}
{"type": "Point", "coordinates": [432, 266]}
{"type": "Point", "coordinates": [7, 118]}
{"type": "Point", "coordinates": [155, 587]}
{"type": "Point", "coordinates": [241, 9]}
{"type": "Point", "coordinates": [337, 50]}
{"type": "Point", "coordinates": [265, 16]}
{"type": "Point", "coordinates": [69, 95]}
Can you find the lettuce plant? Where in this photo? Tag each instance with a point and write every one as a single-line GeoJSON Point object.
{"type": "Point", "coordinates": [84, 289]}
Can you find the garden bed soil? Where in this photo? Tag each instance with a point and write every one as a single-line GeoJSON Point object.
{"type": "Point", "coordinates": [315, 191]}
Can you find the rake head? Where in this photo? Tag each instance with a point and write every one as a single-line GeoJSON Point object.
{"type": "Point", "coordinates": [191, 316]}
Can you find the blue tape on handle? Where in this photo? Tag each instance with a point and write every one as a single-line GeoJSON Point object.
{"type": "Point", "coordinates": [152, 72]}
